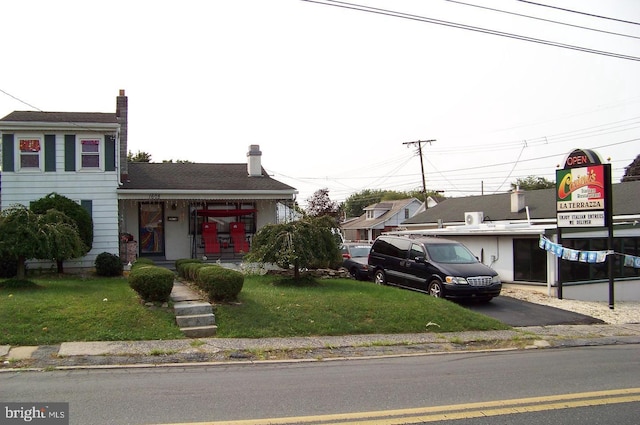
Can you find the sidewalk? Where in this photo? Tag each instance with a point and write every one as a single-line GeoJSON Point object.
{"type": "Point", "coordinates": [203, 351]}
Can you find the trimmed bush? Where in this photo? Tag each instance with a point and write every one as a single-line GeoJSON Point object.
{"type": "Point", "coordinates": [191, 270]}
{"type": "Point", "coordinates": [184, 261]}
{"type": "Point", "coordinates": [221, 284]}
{"type": "Point", "coordinates": [142, 262]}
{"type": "Point", "coordinates": [152, 283]}
{"type": "Point", "coordinates": [108, 264]}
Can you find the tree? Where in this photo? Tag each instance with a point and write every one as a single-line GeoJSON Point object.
{"type": "Point", "coordinates": [320, 204]}
{"type": "Point", "coordinates": [64, 241]}
{"type": "Point", "coordinates": [21, 237]}
{"type": "Point", "coordinates": [533, 183]}
{"type": "Point", "coordinates": [299, 244]}
{"type": "Point", "coordinates": [139, 157]}
{"type": "Point", "coordinates": [632, 171]}
{"type": "Point", "coordinates": [78, 214]}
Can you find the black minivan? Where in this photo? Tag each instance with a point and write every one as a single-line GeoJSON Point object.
{"type": "Point", "coordinates": [439, 267]}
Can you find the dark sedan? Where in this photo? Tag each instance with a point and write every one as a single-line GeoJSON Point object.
{"type": "Point", "coordinates": [355, 257]}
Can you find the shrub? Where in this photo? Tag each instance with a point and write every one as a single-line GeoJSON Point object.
{"type": "Point", "coordinates": [152, 283]}
{"type": "Point", "coordinates": [184, 261]}
{"type": "Point", "coordinates": [191, 270]}
{"type": "Point", "coordinates": [108, 264]}
{"type": "Point", "coordinates": [142, 262]}
{"type": "Point", "coordinates": [220, 284]}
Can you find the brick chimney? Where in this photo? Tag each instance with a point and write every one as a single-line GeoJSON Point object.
{"type": "Point", "coordinates": [254, 161]}
{"type": "Point", "coordinates": [122, 115]}
{"type": "Point", "coordinates": [517, 200]}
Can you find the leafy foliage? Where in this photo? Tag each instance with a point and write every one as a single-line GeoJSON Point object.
{"type": "Point", "coordinates": [138, 157]}
{"type": "Point", "coordinates": [152, 283]}
{"type": "Point", "coordinates": [533, 183]}
{"type": "Point", "coordinates": [71, 209]}
{"type": "Point", "coordinates": [632, 171]}
{"type": "Point", "coordinates": [305, 243]}
{"type": "Point", "coordinates": [220, 284]}
{"type": "Point", "coordinates": [320, 204]}
{"type": "Point", "coordinates": [355, 204]}
{"type": "Point", "coordinates": [108, 264]}
{"type": "Point", "coordinates": [25, 235]}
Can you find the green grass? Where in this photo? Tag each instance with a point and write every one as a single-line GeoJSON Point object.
{"type": "Point", "coordinates": [73, 309]}
{"type": "Point", "coordinates": [340, 307]}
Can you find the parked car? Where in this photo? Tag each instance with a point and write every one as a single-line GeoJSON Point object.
{"type": "Point", "coordinates": [439, 267]}
{"type": "Point", "coordinates": [354, 259]}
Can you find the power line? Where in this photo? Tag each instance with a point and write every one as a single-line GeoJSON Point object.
{"type": "Point", "coordinates": [580, 13]}
{"type": "Point", "coordinates": [401, 15]}
{"type": "Point", "coordinates": [543, 19]}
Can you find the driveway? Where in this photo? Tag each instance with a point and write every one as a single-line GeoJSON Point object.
{"type": "Point", "coordinates": [516, 312]}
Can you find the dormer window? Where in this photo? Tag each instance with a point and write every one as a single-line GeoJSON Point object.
{"type": "Point", "coordinates": [30, 153]}
{"type": "Point", "coordinates": [370, 214]}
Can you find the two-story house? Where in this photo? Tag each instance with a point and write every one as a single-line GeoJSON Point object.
{"type": "Point", "coordinates": [380, 217]}
{"type": "Point", "coordinates": [166, 211]}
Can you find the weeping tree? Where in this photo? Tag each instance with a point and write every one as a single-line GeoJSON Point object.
{"type": "Point", "coordinates": [80, 218]}
{"type": "Point", "coordinates": [306, 243]}
{"type": "Point", "coordinates": [25, 235]}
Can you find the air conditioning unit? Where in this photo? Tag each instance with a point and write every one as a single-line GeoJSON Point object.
{"type": "Point", "coordinates": [473, 218]}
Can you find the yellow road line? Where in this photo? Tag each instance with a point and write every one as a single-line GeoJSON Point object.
{"type": "Point", "coordinates": [454, 411]}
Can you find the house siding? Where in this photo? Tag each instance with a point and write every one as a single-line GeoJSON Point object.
{"type": "Point", "coordinates": [97, 186]}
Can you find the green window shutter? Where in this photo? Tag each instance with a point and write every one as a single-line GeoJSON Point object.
{"type": "Point", "coordinates": [7, 152]}
{"type": "Point", "coordinates": [49, 152]}
{"type": "Point", "coordinates": [69, 152]}
{"type": "Point", "coordinates": [109, 153]}
{"type": "Point", "coordinates": [87, 204]}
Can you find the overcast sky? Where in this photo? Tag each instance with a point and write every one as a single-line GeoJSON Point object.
{"type": "Point", "coordinates": [332, 95]}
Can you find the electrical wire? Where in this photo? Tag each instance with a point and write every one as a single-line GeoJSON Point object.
{"type": "Point", "coordinates": [578, 12]}
{"type": "Point", "coordinates": [391, 13]}
{"type": "Point", "coordinates": [542, 19]}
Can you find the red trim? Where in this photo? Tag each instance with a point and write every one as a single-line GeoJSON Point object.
{"type": "Point", "coordinates": [225, 213]}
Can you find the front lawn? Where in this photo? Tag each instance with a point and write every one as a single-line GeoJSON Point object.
{"type": "Point", "coordinates": [75, 309]}
{"type": "Point", "coordinates": [106, 309]}
{"type": "Point", "coordinates": [340, 307]}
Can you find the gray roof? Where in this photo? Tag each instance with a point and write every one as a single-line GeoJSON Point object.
{"type": "Point", "coordinates": [198, 177]}
{"type": "Point", "coordinates": [61, 117]}
{"type": "Point", "coordinates": [541, 203]}
{"type": "Point", "coordinates": [392, 207]}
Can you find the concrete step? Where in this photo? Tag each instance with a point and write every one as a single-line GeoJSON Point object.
{"type": "Point", "coordinates": [200, 331]}
{"type": "Point", "coordinates": [188, 308]}
{"type": "Point", "coordinates": [196, 320]}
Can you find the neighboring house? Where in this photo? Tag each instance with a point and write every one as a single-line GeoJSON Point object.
{"type": "Point", "coordinates": [381, 217]}
{"type": "Point", "coordinates": [504, 232]}
{"type": "Point", "coordinates": [166, 211]}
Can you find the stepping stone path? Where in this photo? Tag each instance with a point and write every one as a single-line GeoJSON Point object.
{"type": "Point", "coordinates": [194, 316]}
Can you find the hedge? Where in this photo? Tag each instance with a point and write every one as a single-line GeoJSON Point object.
{"type": "Point", "coordinates": [152, 283]}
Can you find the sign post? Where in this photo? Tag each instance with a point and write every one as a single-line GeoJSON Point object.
{"type": "Point", "coordinates": [583, 199]}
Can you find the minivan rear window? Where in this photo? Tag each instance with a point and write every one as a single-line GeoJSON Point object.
{"type": "Point", "coordinates": [450, 253]}
{"type": "Point", "coordinates": [395, 247]}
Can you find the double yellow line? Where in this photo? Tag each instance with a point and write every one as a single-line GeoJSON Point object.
{"type": "Point", "coordinates": [454, 411]}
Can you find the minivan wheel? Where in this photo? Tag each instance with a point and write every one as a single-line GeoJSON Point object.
{"type": "Point", "coordinates": [380, 278]}
{"type": "Point", "coordinates": [435, 289]}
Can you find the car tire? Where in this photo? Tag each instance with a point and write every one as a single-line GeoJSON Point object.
{"type": "Point", "coordinates": [354, 273]}
{"type": "Point", "coordinates": [379, 277]}
{"type": "Point", "coordinates": [435, 289]}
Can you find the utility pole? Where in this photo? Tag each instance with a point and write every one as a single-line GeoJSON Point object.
{"type": "Point", "coordinates": [424, 184]}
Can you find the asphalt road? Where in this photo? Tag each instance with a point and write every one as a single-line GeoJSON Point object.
{"type": "Point", "coordinates": [516, 312]}
{"type": "Point", "coordinates": [508, 387]}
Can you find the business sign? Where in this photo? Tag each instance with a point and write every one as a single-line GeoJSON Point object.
{"type": "Point", "coordinates": [582, 188]}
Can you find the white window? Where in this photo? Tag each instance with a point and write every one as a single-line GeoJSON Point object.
{"type": "Point", "coordinates": [90, 153]}
{"type": "Point", "coordinates": [30, 153]}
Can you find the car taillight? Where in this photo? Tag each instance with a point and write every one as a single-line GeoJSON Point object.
{"type": "Point", "coordinates": [346, 256]}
